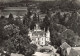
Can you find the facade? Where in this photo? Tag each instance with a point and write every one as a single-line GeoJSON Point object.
{"type": "Point", "coordinates": [41, 17]}
{"type": "Point", "coordinates": [39, 37]}
{"type": "Point", "coordinates": [16, 11]}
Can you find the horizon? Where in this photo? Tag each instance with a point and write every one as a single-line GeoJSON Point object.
{"type": "Point", "coordinates": [10, 1]}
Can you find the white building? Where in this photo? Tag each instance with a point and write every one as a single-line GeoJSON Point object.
{"type": "Point", "coordinates": [39, 37]}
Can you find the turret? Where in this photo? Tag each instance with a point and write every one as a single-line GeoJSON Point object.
{"type": "Point", "coordinates": [48, 33]}
{"type": "Point", "coordinates": [37, 28]}
{"type": "Point", "coordinates": [30, 33]}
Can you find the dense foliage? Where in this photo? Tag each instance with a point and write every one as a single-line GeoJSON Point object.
{"type": "Point", "coordinates": [63, 27]}
{"type": "Point", "coordinates": [14, 36]}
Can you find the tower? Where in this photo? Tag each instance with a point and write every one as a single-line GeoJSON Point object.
{"type": "Point", "coordinates": [37, 28]}
{"type": "Point", "coordinates": [30, 33]}
{"type": "Point", "coordinates": [48, 36]}
{"type": "Point", "coordinates": [48, 33]}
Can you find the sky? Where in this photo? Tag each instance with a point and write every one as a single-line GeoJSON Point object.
{"type": "Point", "coordinates": [10, 0]}
{"type": "Point", "coordinates": [43, 0]}
{"type": "Point", "coordinates": [21, 0]}
{"type": "Point", "coordinates": [77, 1]}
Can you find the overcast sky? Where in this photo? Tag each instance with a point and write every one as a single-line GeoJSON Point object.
{"type": "Point", "coordinates": [21, 0]}
{"type": "Point", "coordinates": [9, 0]}
{"type": "Point", "coordinates": [77, 1]}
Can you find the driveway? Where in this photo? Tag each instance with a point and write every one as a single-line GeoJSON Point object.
{"type": "Point", "coordinates": [43, 54]}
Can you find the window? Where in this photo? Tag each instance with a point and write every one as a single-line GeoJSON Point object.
{"type": "Point", "coordinates": [42, 38]}
{"type": "Point", "coordinates": [42, 42]}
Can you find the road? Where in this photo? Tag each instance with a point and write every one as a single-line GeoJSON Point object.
{"type": "Point", "coordinates": [43, 54]}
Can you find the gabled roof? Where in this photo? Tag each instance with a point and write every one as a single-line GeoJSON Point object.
{"type": "Point", "coordinates": [65, 45]}
{"type": "Point", "coordinates": [73, 52]}
{"type": "Point", "coordinates": [77, 49]}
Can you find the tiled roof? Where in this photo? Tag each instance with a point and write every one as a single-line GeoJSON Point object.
{"type": "Point", "coordinates": [38, 32]}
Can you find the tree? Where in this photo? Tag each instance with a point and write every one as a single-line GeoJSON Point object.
{"type": "Point", "coordinates": [23, 29]}
{"type": "Point", "coordinates": [3, 22]}
{"type": "Point", "coordinates": [18, 22]}
{"type": "Point", "coordinates": [11, 16]}
{"type": "Point", "coordinates": [11, 19]}
{"type": "Point", "coordinates": [29, 13]}
{"type": "Point", "coordinates": [14, 41]}
{"type": "Point", "coordinates": [2, 17]}
{"type": "Point", "coordinates": [74, 22]}
{"type": "Point", "coordinates": [27, 20]}
{"type": "Point", "coordinates": [17, 44]}
{"type": "Point", "coordinates": [70, 37]}
{"type": "Point", "coordinates": [31, 49]}
{"type": "Point", "coordinates": [54, 36]}
{"type": "Point", "coordinates": [32, 25]}
{"type": "Point", "coordinates": [46, 7]}
{"type": "Point", "coordinates": [35, 20]}
{"type": "Point", "coordinates": [46, 23]}
{"type": "Point", "coordinates": [10, 30]}
{"type": "Point", "coordinates": [59, 33]}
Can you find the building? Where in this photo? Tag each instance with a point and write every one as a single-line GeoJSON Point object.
{"type": "Point", "coordinates": [65, 45]}
{"type": "Point", "coordinates": [73, 51]}
{"type": "Point", "coordinates": [16, 11]}
{"type": "Point", "coordinates": [39, 37]}
{"type": "Point", "coordinates": [67, 50]}
{"type": "Point", "coordinates": [41, 17]}
{"type": "Point", "coordinates": [63, 48]}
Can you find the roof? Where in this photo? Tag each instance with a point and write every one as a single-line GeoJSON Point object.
{"type": "Point", "coordinates": [15, 54]}
{"type": "Point", "coordinates": [73, 52]}
{"type": "Point", "coordinates": [19, 11]}
{"type": "Point", "coordinates": [65, 45]}
{"type": "Point", "coordinates": [38, 33]}
{"type": "Point", "coordinates": [76, 48]}
{"type": "Point", "coordinates": [15, 8]}
{"type": "Point", "coordinates": [48, 47]}
{"type": "Point", "coordinates": [41, 54]}
{"type": "Point", "coordinates": [42, 16]}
